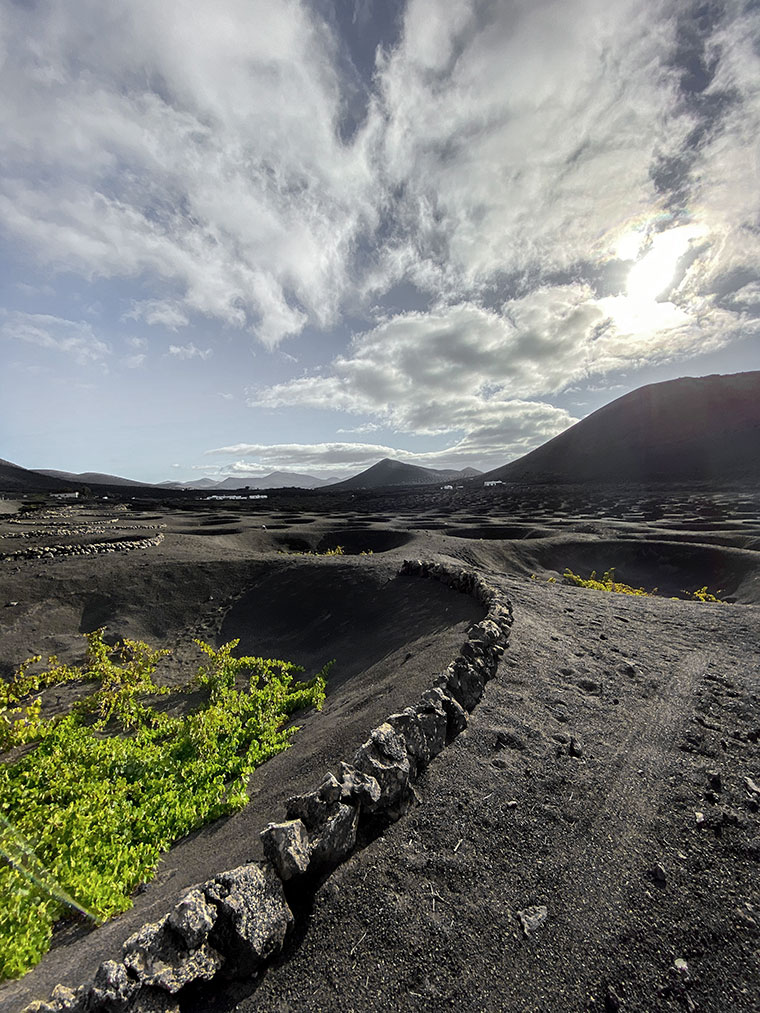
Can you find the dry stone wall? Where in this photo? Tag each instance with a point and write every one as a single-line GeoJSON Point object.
{"type": "Point", "coordinates": [234, 924]}
{"type": "Point", "coordinates": [84, 549]}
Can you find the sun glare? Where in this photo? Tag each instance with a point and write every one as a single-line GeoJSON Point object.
{"type": "Point", "coordinates": [629, 245]}
{"type": "Point", "coordinates": [653, 273]}
{"type": "Point", "coordinates": [656, 259]}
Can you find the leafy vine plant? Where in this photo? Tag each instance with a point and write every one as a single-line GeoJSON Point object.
{"type": "Point", "coordinates": [608, 582]}
{"type": "Point", "coordinates": [89, 799]}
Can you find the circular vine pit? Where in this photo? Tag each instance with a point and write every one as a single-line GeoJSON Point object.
{"type": "Point", "coordinates": [675, 569]}
{"type": "Point", "coordinates": [499, 532]}
{"type": "Point", "coordinates": [354, 541]}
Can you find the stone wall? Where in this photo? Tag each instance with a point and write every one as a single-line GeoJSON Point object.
{"type": "Point", "coordinates": [84, 549]}
{"type": "Point", "coordinates": [234, 924]}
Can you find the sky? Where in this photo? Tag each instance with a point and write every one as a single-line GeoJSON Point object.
{"type": "Point", "coordinates": [252, 235]}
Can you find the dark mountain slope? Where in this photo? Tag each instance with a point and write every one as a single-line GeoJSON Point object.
{"type": "Point", "coordinates": [90, 478]}
{"type": "Point", "coordinates": [16, 479]}
{"type": "Point", "coordinates": [704, 429]}
{"type": "Point", "coordinates": [275, 480]}
{"type": "Point", "coordinates": [389, 472]}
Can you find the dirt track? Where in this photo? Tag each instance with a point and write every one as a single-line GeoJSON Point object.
{"type": "Point", "coordinates": [656, 696]}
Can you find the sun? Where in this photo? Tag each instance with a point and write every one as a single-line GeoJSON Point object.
{"type": "Point", "coordinates": [651, 275]}
{"type": "Point", "coordinates": [656, 258]}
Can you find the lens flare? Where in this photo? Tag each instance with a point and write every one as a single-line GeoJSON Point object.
{"type": "Point", "coordinates": [19, 854]}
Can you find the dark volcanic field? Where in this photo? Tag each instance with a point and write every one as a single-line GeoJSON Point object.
{"type": "Point", "coordinates": [609, 773]}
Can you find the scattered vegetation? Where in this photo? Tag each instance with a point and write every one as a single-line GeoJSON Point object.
{"type": "Point", "coordinates": [703, 595]}
{"type": "Point", "coordinates": [337, 551]}
{"type": "Point", "coordinates": [89, 799]}
{"type": "Point", "coordinates": [606, 583]}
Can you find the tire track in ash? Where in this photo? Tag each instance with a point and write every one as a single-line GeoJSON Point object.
{"type": "Point", "coordinates": [621, 846]}
{"type": "Point", "coordinates": [596, 846]}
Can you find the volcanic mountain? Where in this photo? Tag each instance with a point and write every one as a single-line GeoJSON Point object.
{"type": "Point", "coordinates": [389, 472]}
{"type": "Point", "coordinates": [90, 478]}
{"type": "Point", "coordinates": [275, 480]}
{"type": "Point", "coordinates": [16, 479]}
{"type": "Point", "coordinates": [703, 429]}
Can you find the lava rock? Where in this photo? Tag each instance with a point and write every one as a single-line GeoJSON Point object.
{"type": "Point", "coordinates": [192, 919]}
{"type": "Point", "coordinates": [336, 839]}
{"type": "Point", "coordinates": [156, 955]}
{"type": "Point", "coordinates": [408, 724]}
{"type": "Point", "coordinates": [112, 988]}
{"type": "Point", "coordinates": [384, 757]}
{"type": "Point", "coordinates": [456, 716]}
{"type": "Point", "coordinates": [357, 789]}
{"type": "Point", "coordinates": [464, 682]}
{"type": "Point", "coordinates": [315, 807]}
{"type": "Point", "coordinates": [64, 1000]}
{"type": "Point", "coordinates": [253, 917]}
{"type": "Point", "coordinates": [286, 845]}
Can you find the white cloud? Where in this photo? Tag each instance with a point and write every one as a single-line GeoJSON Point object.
{"type": "Point", "coordinates": [367, 427]}
{"type": "Point", "coordinates": [194, 147]}
{"type": "Point", "coordinates": [510, 162]}
{"type": "Point", "coordinates": [509, 431]}
{"type": "Point", "coordinates": [35, 291]}
{"type": "Point", "coordinates": [449, 369]}
{"type": "Point", "coordinates": [161, 312]}
{"type": "Point", "coordinates": [461, 368]}
{"type": "Point", "coordinates": [71, 337]}
{"type": "Point", "coordinates": [216, 172]}
{"type": "Point", "coordinates": [190, 351]}
{"type": "Point", "coordinates": [511, 153]}
{"type": "Point", "coordinates": [134, 361]}
{"type": "Point", "coordinates": [725, 176]}
{"type": "Point", "coordinates": [746, 297]}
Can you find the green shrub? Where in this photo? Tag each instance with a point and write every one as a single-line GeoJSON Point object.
{"type": "Point", "coordinates": [337, 551]}
{"type": "Point", "coordinates": [606, 583]}
{"type": "Point", "coordinates": [90, 799]}
{"type": "Point", "coordinates": [703, 595]}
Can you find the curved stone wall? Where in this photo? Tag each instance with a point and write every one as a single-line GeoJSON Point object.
{"type": "Point", "coordinates": [84, 549]}
{"type": "Point", "coordinates": [232, 925]}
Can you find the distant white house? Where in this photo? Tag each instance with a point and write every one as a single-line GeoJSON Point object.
{"type": "Point", "coordinates": [65, 495]}
{"type": "Point", "coordinates": [235, 496]}
{"type": "Point", "coordinates": [495, 481]}
{"type": "Point", "coordinates": [447, 488]}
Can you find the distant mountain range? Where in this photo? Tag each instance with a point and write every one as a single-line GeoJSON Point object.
{"type": "Point", "coordinates": [87, 477]}
{"type": "Point", "coordinates": [276, 480]}
{"type": "Point", "coordinates": [16, 479]}
{"type": "Point", "coordinates": [695, 429]}
{"type": "Point", "coordinates": [703, 429]}
{"type": "Point", "coordinates": [388, 472]}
